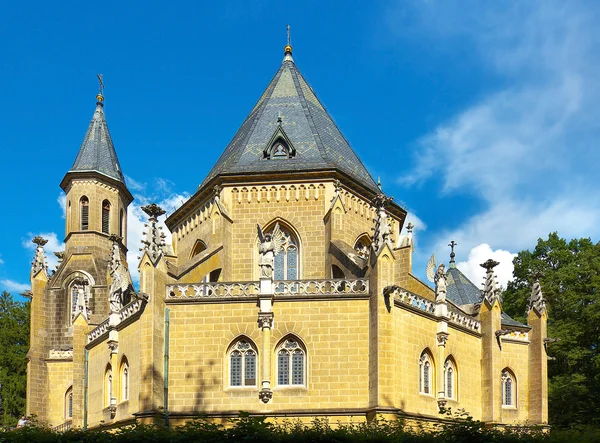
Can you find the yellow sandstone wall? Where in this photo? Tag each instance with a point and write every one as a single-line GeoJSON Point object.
{"type": "Point", "coordinates": [60, 378]}
{"type": "Point", "coordinates": [335, 334]}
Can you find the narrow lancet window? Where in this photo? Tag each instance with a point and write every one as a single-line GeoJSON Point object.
{"type": "Point", "coordinates": [105, 216]}
{"type": "Point", "coordinates": [84, 212]}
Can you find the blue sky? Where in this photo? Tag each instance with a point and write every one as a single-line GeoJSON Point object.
{"type": "Point", "coordinates": [481, 118]}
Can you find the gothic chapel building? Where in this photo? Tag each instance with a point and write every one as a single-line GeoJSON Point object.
{"type": "Point", "coordinates": [314, 313]}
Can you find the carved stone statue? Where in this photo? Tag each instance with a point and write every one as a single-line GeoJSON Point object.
{"type": "Point", "coordinates": [269, 247]}
{"type": "Point", "coordinates": [121, 286]}
{"type": "Point", "coordinates": [440, 284]}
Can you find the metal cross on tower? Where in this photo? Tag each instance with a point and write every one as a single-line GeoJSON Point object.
{"type": "Point", "coordinates": [452, 244]}
{"type": "Point", "coordinates": [289, 40]}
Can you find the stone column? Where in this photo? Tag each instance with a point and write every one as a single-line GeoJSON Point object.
{"type": "Point", "coordinates": [265, 322]}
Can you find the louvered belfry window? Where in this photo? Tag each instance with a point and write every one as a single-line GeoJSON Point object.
{"type": "Point", "coordinates": [85, 212]}
{"type": "Point", "coordinates": [105, 216]}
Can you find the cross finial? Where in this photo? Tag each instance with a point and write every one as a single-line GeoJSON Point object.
{"type": "Point", "coordinates": [100, 96]}
{"type": "Point", "coordinates": [288, 47]}
{"type": "Point", "coordinates": [289, 39]}
{"type": "Point", "coordinates": [452, 244]}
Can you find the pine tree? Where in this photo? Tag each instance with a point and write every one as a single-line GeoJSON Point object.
{"type": "Point", "coordinates": [14, 343]}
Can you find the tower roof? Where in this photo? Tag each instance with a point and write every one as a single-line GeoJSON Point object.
{"type": "Point", "coordinates": [97, 152]}
{"type": "Point", "coordinates": [290, 108]}
{"type": "Point", "coordinates": [462, 291]}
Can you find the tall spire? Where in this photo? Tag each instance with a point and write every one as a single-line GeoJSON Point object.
{"type": "Point", "coordinates": [97, 152]}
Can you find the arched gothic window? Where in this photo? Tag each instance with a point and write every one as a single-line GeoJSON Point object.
{"type": "Point", "coordinates": [69, 403]}
{"type": "Point", "coordinates": [450, 379]}
{"type": "Point", "coordinates": [121, 222]}
{"type": "Point", "coordinates": [84, 206]}
{"type": "Point", "coordinates": [124, 380]}
{"type": "Point", "coordinates": [108, 386]}
{"type": "Point", "coordinates": [288, 258]}
{"type": "Point", "coordinates": [509, 388]}
{"type": "Point", "coordinates": [362, 246]}
{"type": "Point", "coordinates": [291, 363]}
{"type": "Point", "coordinates": [425, 374]}
{"type": "Point", "coordinates": [105, 216]}
{"type": "Point", "coordinates": [242, 364]}
{"type": "Point", "coordinates": [79, 298]}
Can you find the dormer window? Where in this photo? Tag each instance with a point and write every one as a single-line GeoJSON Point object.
{"type": "Point", "coordinates": [280, 151]}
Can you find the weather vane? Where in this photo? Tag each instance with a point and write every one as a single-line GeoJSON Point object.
{"type": "Point", "coordinates": [101, 88]}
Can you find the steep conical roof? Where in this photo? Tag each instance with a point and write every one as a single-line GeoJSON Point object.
{"type": "Point", "coordinates": [289, 105]}
{"type": "Point", "coordinates": [97, 152]}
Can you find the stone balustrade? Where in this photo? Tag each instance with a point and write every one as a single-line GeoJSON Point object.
{"type": "Point", "coordinates": [99, 330]}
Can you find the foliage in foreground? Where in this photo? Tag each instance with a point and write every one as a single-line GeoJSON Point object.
{"type": "Point", "coordinates": [571, 285]}
{"type": "Point", "coordinates": [460, 428]}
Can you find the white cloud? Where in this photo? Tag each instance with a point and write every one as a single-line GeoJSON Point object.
{"type": "Point", "coordinates": [479, 254]}
{"type": "Point", "coordinates": [525, 149]}
{"type": "Point", "coordinates": [62, 201]}
{"type": "Point", "coordinates": [53, 245]}
{"type": "Point", "coordinates": [136, 218]}
{"type": "Point", "coordinates": [13, 286]}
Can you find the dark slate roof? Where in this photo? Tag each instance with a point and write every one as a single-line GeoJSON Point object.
{"type": "Point", "coordinates": [97, 152]}
{"type": "Point", "coordinates": [318, 142]}
{"type": "Point", "coordinates": [462, 291]}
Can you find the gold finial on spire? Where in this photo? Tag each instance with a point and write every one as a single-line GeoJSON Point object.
{"type": "Point", "coordinates": [288, 47]}
{"type": "Point", "coordinates": [100, 96]}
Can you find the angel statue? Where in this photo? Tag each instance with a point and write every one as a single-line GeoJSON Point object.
{"type": "Point", "coordinates": [269, 247]}
{"type": "Point", "coordinates": [437, 276]}
{"type": "Point", "coordinates": [121, 287]}
{"type": "Point", "coordinates": [440, 284]}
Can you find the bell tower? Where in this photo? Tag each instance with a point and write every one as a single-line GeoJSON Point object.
{"type": "Point", "coordinates": [97, 197]}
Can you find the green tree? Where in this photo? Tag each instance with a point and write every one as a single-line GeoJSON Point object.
{"type": "Point", "coordinates": [571, 285]}
{"type": "Point", "coordinates": [14, 343]}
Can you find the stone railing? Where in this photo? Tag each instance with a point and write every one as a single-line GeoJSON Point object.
{"type": "Point", "coordinates": [131, 309]}
{"type": "Point", "coordinates": [410, 299]}
{"type": "Point", "coordinates": [212, 290]}
{"type": "Point", "coordinates": [63, 427]}
{"type": "Point", "coordinates": [322, 287]}
{"type": "Point", "coordinates": [464, 320]}
{"type": "Point", "coordinates": [102, 328]}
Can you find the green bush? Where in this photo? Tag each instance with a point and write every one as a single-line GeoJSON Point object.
{"type": "Point", "coordinates": [459, 428]}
